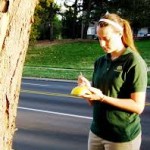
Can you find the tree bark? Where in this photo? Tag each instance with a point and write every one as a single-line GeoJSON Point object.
{"type": "Point", "coordinates": [16, 17]}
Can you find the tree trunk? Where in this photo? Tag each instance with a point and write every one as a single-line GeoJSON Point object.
{"type": "Point", "coordinates": [75, 13]}
{"type": "Point", "coordinates": [87, 19]}
{"type": "Point", "coordinates": [16, 17]}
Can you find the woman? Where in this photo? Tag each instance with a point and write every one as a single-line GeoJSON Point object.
{"type": "Point", "coordinates": [118, 88]}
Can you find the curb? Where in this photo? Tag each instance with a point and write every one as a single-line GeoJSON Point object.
{"type": "Point", "coordinates": [47, 79]}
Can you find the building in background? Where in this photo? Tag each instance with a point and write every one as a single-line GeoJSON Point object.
{"type": "Point", "coordinates": [142, 33]}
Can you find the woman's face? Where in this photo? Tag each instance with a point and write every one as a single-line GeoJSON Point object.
{"type": "Point", "coordinates": [109, 39]}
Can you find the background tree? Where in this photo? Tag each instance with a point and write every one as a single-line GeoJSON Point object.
{"type": "Point", "coordinates": [136, 11]}
{"type": "Point", "coordinates": [35, 29]}
{"type": "Point", "coordinates": [16, 17]}
{"type": "Point", "coordinates": [67, 23]}
{"type": "Point", "coordinates": [79, 14]}
{"type": "Point", "coordinates": [71, 20]}
{"type": "Point", "coordinates": [57, 26]}
{"type": "Point", "coordinates": [92, 11]}
{"type": "Point", "coordinates": [46, 21]}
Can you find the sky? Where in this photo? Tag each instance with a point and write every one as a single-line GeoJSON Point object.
{"type": "Point", "coordinates": [60, 2]}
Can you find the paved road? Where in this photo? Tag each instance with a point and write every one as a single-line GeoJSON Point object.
{"type": "Point", "coordinates": [50, 119]}
{"type": "Point", "coordinates": [145, 119]}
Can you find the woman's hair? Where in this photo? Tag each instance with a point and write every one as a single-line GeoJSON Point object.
{"type": "Point", "coordinates": [127, 37]}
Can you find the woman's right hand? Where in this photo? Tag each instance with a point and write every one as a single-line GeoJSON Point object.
{"type": "Point", "coordinates": [82, 81]}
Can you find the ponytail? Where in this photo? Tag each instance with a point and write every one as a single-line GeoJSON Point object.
{"type": "Point", "coordinates": [127, 37]}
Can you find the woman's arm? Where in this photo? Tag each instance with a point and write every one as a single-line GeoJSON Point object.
{"type": "Point", "coordinates": [134, 104]}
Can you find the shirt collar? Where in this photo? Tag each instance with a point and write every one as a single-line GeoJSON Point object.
{"type": "Point", "coordinates": [126, 52]}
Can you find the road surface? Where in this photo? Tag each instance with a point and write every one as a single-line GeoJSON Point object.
{"type": "Point", "coordinates": [50, 119]}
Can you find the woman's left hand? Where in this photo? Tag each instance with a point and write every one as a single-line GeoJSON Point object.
{"type": "Point", "coordinates": [96, 94]}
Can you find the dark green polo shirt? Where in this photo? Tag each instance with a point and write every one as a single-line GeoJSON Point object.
{"type": "Point", "coordinates": [118, 78]}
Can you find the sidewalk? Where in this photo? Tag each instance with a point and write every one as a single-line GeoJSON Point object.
{"type": "Point", "coordinates": [49, 68]}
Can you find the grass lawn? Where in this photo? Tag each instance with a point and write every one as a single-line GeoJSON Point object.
{"type": "Point", "coordinates": [67, 60]}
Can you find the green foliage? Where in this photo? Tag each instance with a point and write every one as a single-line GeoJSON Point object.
{"type": "Point", "coordinates": [136, 11]}
{"type": "Point", "coordinates": [57, 26]}
{"type": "Point", "coordinates": [44, 19]}
{"type": "Point", "coordinates": [95, 8]}
{"type": "Point", "coordinates": [35, 29]}
{"type": "Point", "coordinates": [81, 13]}
{"type": "Point", "coordinates": [71, 21]}
{"type": "Point", "coordinates": [67, 24]}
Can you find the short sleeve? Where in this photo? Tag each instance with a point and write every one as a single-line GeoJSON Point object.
{"type": "Point", "coordinates": [137, 75]}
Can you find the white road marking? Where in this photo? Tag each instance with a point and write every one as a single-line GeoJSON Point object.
{"type": "Point", "coordinates": [55, 113]}
{"type": "Point", "coordinates": [35, 84]}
